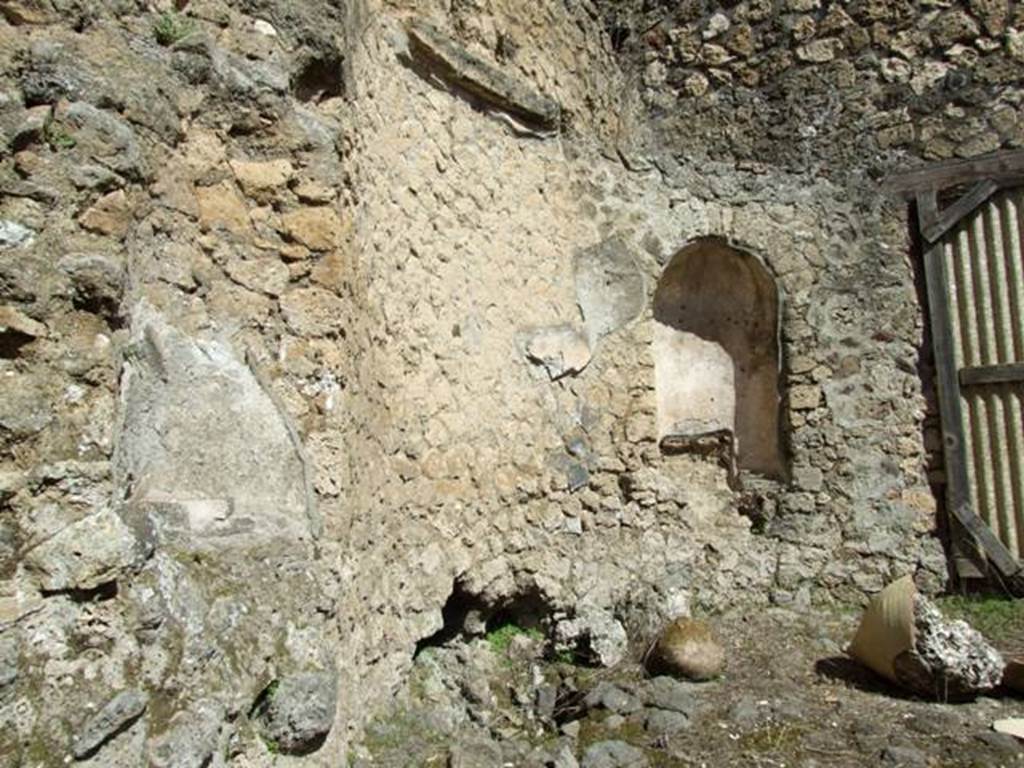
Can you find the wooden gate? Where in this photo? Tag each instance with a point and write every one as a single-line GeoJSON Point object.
{"type": "Point", "coordinates": [974, 269]}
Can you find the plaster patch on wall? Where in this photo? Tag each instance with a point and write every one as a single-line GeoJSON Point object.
{"type": "Point", "coordinates": [610, 287]}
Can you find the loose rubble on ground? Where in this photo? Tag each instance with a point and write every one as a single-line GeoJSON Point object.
{"type": "Point", "coordinates": [776, 688]}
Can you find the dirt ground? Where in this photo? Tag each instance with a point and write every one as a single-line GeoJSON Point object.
{"type": "Point", "coordinates": [789, 697]}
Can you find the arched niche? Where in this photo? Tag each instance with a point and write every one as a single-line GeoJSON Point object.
{"type": "Point", "coordinates": [716, 353]}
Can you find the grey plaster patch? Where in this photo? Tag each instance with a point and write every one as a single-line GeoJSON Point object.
{"type": "Point", "coordinates": [610, 287]}
{"type": "Point", "coordinates": [561, 349]}
{"type": "Point", "coordinates": [198, 425]}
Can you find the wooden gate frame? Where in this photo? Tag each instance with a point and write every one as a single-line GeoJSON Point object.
{"type": "Point", "coordinates": [987, 175]}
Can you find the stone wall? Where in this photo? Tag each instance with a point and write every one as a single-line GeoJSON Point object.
{"type": "Point", "coordinates": [318, 318]}
{"type": "Point", "coordinates": [828, 87]}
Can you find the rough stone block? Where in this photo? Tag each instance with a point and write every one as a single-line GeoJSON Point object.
{"type": "Point", "coordinates": [297, 713]}
{"type": "Point", "coordinates": [114, 717]}
{"type": "Point", "coordinates": [613, 754]}
{"type": "Point", "coordinates": [319, 229]}
{"type": "Point", "coordinates": [260, 179]}
{"type": "Point", "coordinates": [222, 206]}
{"type": "Point", "coordinates": [437, 52]}
{"type": "Point", "coordinates": [86, 554]}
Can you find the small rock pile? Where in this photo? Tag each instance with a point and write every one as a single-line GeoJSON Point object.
{"type": "Point", "coordinates": [950, 659]}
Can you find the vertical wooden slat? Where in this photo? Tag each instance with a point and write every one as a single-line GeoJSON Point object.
{"type": "Point", "coordinates": [950, 405]}
{"type": "Point", "coordinates": [967, 554]}
{"type": "Point", "coordinates": [991, 253]}
{"type": "Point", "coordinates": [983, 411]}
{"type": "Point", "coordinates": [970, 342]}
{"type": "Point", "coordinates": [1012, 226]}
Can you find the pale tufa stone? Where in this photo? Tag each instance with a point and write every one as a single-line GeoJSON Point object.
{"type": "Point", "coordinates": [696, 84]}
{"type": "Point", "coordinates": [319, 229]}
{"type": "Point", "coordinates": [819, 51]}
{"type": "Point", "coordinates": [560, 349]}
{"type": "Point", "coordinates": [203, 152]}
{"type": "Point", "coordinates": [13, 321]}
{"type": "Point", "coordinates": [1015, 44]}
{"type": "Point", "coordinates": [804, 397]}
{"type": "Point", "coordinates": [717, 24]}
{"type": "Point", "coordinates": [264, 28]}
{"type": "Point", "coordinates": [259, 179]}
{"type": "Point", "coordinates": [111, 215]}
{"type": "Point", "coordinates": [311, 191]}
{"type": "Point", "coordinates": [222, 206]}
{"type": "Point", "coordinates": [269, 276]}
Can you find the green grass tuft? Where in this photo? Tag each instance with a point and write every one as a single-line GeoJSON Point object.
{"type": "Point", "coordinates": [57, 137]}
{"type": "Point", "coordinates": [1000, 619]}
{"type": "Point", "coordinates": [172, 27]}
{"type": "Point", "coordinates": [500, 638]}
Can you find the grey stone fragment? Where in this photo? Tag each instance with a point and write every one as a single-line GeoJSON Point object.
{"type": "Point", "coordinates": [53, 73]}
{"type": "Point", "coordinates": [475, 754]}
{"type": "Point", "coordinates": [86, 554]}
{"type": "Point", "coordinates": [571, 729]}
{"type": "Point", "coordinates": [94, 176]}
{"type": "Point", "coordinates": [116, 715]}
{"type": "Point", "coordinates": [25, 406]}
{"type": "Point", "coordinates": [106, 139]}
{"type": "Point", "coordinates": [1002, 743]}
{"type": "Point", "coordinates": [670, 694]}
{"type": "Point", "coordinates": [97, 282]}
{"type": "Point", "coordinates": [14, 235]}
{"type": "Point", "coordinates": [191, 739]}
{"type": "Point", "coordinates": [613, 722]}
{"type": "Point", "coordinates": [244, 78]}
{"type": "Point", "coordinates": [903, 757]}
{"type": "Point", "coordinates": [544, 702]}
{"type": "Point", "coordinates": [612, 698]}
{"type": "Point", "coordinates": [613, 754]}
{"type": "Point", "coordinates": [609, 287]}
{"type": "Point", "coordinates": [9, 545]}
{"type": "Point", "coordinates": [661, 722]}
{"type": "Point", "coordinates": [298, 714]}
{"type": "Point", "coordinates": [444, 57]}
{"type": "Point", "coordinates": [745, 712]}
{"type": "Point", "coordinates": [564, 758]}
{"type": "Point", "coordinates": [594, 635]}
{"type": "Point", "coordinates": [8, 663]}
